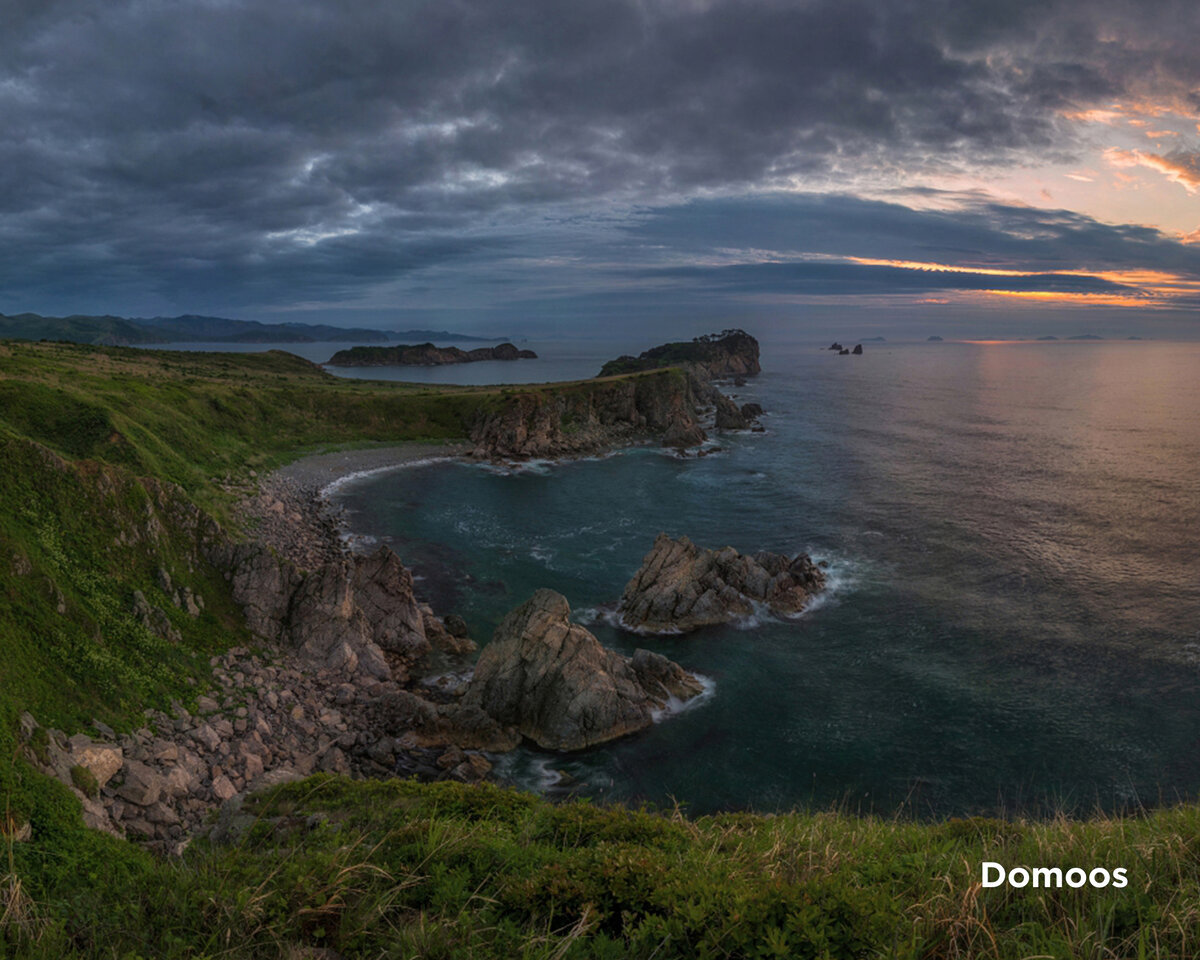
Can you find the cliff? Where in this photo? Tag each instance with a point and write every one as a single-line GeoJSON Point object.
{"type": "Point", "coordinates": [661, 395]}
{"type": "Point", "coordinates": [424, 355]}
{"type": "Point", "coordinates": [731, 353]}
{"type": "Point", "coordinates": [591, 416]}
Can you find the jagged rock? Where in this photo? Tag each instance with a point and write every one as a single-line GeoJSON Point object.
{"type": "Point", "coordinates": [262, 586]}
{"type": "Point", "coordinates": [857, 349]}
{"type": "Point", "coordinates": [383, 590]}
{"type": "Point", "coordinates": [663, 678]}
{"type": "Point", "coordinates": [729, 417]}
{"type": "Point", "coordinates": [836, 346]}
{"type": "Point", "coordinates": [555, 682]}
{"type": "Point", "coordinates": [456, 626]}
{"type": "Point", "coordinates": [751, 411]}
{"type": "Point", "coordinates": [681, 587]}
{"type": "Point", "coordinates": [443, 639]}
{"type": "Point", "coordinates": [430, 724]}
{"type": "Point", "coordinates": [142, 785]}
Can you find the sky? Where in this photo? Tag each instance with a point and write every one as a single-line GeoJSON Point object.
{"type": "Point", "coordinates": [984, 168]}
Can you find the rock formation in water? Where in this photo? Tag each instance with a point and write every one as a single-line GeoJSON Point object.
{"type": "Point", "coordinates": [857, 349]}
{"type": "Point", "coordinates": [555, 683]}
{"type": "Point", "coordinates": [424, 355]}
{"type": "Point", "coordinates": [836, 346]}
{"type": "Point", "coordinates": [730, 353]}
{"type": "Point", "coordinates": [681, 587]}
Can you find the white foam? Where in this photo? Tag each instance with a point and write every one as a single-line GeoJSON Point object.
{"type": "Point", "coordinates": [335, 485]}
{"type": "Point", "coordinates": [513, 468]}
{"type": "Point", "coordinates": [675, 706]}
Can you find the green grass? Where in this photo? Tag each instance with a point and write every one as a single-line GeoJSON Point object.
{"type": "Point", "coordinates": [397, 869]}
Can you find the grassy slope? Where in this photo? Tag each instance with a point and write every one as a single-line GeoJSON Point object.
{"type": "Point", "coordinates": [399, 869]}
{"type": "Point", "coordinates": [405, 870]}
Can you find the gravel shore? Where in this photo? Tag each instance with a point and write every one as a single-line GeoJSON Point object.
{"type": "Point", "coordinates": [321, 469]}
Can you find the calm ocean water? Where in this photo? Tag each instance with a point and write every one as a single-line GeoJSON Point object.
{"type": "Point", "coordinates": [1012, 531]}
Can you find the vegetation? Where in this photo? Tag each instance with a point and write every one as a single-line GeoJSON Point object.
{"type": "Point", "coordinates": [186, 329]}
{"type": "Point", "coordinates": [398, 869]}
{"type": "Point", "coordinates": [700, 350]}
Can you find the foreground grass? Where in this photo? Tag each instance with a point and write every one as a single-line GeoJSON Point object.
{"type": "Point", "coordinates": [399, 869]}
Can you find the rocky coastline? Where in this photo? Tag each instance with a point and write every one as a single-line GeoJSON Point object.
{"type": "Point", "coordinates": [351, 673]}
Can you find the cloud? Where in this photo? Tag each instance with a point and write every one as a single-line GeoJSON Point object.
{"type": "Point", "coordinates": [248, 152]}
{"type": "Point", "coordinates": [1181, 166]}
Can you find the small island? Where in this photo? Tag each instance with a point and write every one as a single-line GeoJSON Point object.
{"type": "Point", "coordinates": [423, 355]}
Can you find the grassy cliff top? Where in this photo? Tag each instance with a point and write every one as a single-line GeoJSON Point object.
{"type": "Point", "coordinates": [333, 868]}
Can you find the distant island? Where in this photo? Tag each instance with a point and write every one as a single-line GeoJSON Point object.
{"type": "Point", "coordinates": [1085, 336]}
{"type": "Point", "coordinates": [191, 328]}
{"type": "Point", "coordinates": [934, 339]}
{"type": "Point", "coordinates": [423, 355]}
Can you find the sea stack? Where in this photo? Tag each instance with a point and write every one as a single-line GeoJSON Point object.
{"type": "Point", "coordinates": [681, 587]}
{"type": "Point", "coordinates": [561, 688]}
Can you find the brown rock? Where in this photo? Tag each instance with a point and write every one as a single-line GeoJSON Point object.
{"type": "Point", "coordinates": [681, 587]}
{"type": "Point", "coordinates": [223, 788]}
{"type": "Point", "coordinates": [142, 785]}
{"type": "Point", "coordinates": [555, 682]}
{"type": "Point", "coordinates": [103, 760]}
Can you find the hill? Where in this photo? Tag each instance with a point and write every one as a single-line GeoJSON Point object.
{"type": "Point", "coordinates": [192, 328]}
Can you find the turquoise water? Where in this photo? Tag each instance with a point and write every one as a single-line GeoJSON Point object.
{"type": "Point", "coordinates": [1012, 535]}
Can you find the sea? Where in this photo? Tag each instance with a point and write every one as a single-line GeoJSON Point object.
{"type": "Point", "coordinates": [1012, 534]}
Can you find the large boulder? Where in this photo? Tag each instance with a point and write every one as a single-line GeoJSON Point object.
{"type": "Point", "coordinates": [556, 684]}
{"type": "Point", "coordinates": [383, 591]}
{"type": "Point", "coordinates": [681, 587]}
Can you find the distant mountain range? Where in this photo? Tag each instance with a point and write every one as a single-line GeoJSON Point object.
{"type": "Point", "coordinates": [122, 331]}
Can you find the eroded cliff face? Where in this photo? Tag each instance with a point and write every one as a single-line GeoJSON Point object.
{"type": "Point", "coordinates": [356, 615]}
{"type": "Point", "coordinates": [586, 418]}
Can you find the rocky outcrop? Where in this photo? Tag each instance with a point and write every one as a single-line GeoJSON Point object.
{"type": "Point", "coordinates": [554, 682]}
{"type": "Point", "coordinates": [589, 417]}
{"type": "Point", "coordinates": [424, 355]}
{"type": "Point", "coordinates": [728, 415]}
{"type": "Point", "coordinates": [730, 353]}
{"type": "Point", "coordinates": [264, 722]}
{"type": "Point", "coordinates": [357, 615]}
{"type": "Point", "coordinates": [681, 587]}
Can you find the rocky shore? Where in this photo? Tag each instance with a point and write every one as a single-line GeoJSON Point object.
{"type": "Point", "coordinates": [353, 674]}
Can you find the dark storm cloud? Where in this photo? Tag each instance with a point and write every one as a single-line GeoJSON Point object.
{"type": "Point", "coordinates": [254, 152]}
